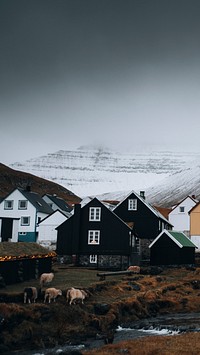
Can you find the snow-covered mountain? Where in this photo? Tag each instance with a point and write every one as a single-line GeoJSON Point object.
{"type": "Point", "coordinates": [96, 170]}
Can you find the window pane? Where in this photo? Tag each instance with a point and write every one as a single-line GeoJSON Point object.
{"type": "Point", "coordinates": [93, 259]}
{"type": "Point", "coordinates": [22, 204]}
{"type": "Point", "coordinates": [132, 204]}
{"type": "Point", "coordinates": [8, 204]}
{"type": "Point", "coordinates": [93, 237]}
{"type": "Point", "coordinates": [25, 221]}
{"type": "Point", "coordinates": [95, 214]}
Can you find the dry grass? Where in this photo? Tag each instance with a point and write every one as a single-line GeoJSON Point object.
{"type": "Point", "coordinates": [170, 292]}
{"type": "Point", "coordinates": [166, 345]}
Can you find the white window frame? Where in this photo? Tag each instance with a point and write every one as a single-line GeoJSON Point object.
{"type": "Point", "coordinates": [93, 259]}
{"type": "Point", "coordinates": [7, 203]}
{"type": "Point", "coordinates": [95, 214]}
{"type": "Point", "coordinates": [22, 221]}
{"type": "Point", "coordinates": [132, 204]}
{"type": "Point", "coordinates": [94, 237]}
{"type": "Point", "coordinates": [22, 207]}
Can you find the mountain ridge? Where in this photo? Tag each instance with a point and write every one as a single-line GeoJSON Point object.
{"type": "Point", "coordinates": [11, 179]}
{"type": "Point", "coordinates": [89, 171]}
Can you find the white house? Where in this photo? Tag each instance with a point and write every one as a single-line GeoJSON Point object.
{"type": "Point", "coordinates": [179, 215]}
{"type": "Point", "coordinates": [26, 206]}
{"type": "Point", "coordinates": [57, 203]}
{"type": "Point", "coordinates": [47, 234]}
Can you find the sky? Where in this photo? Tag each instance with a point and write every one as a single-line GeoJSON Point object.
{"type": "Point", "coordinates": [121, 73]}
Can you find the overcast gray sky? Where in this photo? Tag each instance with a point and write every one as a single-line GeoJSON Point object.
{"type": "Point", "coordinates": [119, 72]}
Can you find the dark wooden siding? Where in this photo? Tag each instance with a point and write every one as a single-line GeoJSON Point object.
{"type": "Point", "coordinates": [166, 252]}
{"type": "Point", "coordinates": [114, 233]}
{"type": "Point", "coordinates": [64, 238]}
{"type": "Point", "coordinates": [145, 222]}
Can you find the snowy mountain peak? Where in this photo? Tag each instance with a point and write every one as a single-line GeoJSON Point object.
{"type": "Point", "coordinates": [94, 170]}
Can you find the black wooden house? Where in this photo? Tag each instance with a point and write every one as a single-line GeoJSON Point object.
{"type": "Point", "coordinates": [96, 237]}
{"type": "Point", "coordinates": [147, 221]}
{"type": "Point", "coordinates": [172, 248]}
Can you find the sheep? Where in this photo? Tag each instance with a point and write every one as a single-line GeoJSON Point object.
{"type": "Point", "coordinates": [135, 269]}
{"type": "Point", "coordinates": [73, 294]}
{"type": "Point", "coordinates": [52, 293]}
{"type": "Point", "coordinates": [30, 294]}
{"type": "Point", "coordinates": [46, 278]}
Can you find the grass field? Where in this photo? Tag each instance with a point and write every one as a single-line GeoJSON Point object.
{"type": "Point", "coordinates": [64, 277]}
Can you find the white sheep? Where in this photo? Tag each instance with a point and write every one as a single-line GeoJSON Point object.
{"type": "Point", "coordinates": [74, 293]}
{"type": "Point", "coordinates": [46, 278]}
{"type": "Point", "coordinates": [51, 294]}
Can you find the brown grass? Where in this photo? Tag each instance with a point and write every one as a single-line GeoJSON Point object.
{"type": "Point", "coordinates": [172, 291]}
{"type": "Point", "coordinates": [159, 345]}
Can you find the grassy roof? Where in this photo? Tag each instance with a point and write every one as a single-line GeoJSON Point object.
{"type": "Point", "coordinates": [22, 250]}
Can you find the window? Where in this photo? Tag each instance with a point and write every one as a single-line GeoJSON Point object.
{"type": "Point", "coordinates": [181, 209]}
{"type": "Point", "coordinates": [95, 214]}
{"type": "Point", "coordinates": [22, 204]}
{"type": "Point", "coordinates": [93, 237]}
{"type": "Point", "coordinates": [93, 259]}
{"type": "Point", "coordinates": [25, 221]}
{"type": "Point", "coordinates": [8, 204]}
{"type": "Point", "coordinates": [132, 204]}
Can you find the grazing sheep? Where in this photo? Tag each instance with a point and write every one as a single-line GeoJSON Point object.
{"type": "Point", "coordinates": [135, 269]}
{"type": "Point", "coordinates": [52, 293]}
{"type": "Point", "coordinates": [73, 294]}
{"type": "Point", "coordinates": [46, 278]}
{"type": "Point", "coordinates": [30, 294]}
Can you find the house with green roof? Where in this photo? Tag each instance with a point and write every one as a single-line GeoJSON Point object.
{"type": "Point", "coordinates": [172, 248]}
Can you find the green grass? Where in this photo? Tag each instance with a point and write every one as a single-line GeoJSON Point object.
{"type": "Point", "coordinates": [65, 277]}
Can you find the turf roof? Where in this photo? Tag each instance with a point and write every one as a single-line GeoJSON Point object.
{"type": "Point", "coordinates": [23, 250]}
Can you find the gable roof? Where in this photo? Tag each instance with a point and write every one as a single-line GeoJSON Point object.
{"type": "Point", "coordinates": [163, 210]}
{"type": "Point", "coordinates": [153, 210]}
{"type": "Point", "coordinates": [59, 202]}
{"type": "Point", "coordinates": [37, 201]}
{"type": "Point", "coordinates": [185, 198]}
{"type": "Point", "coordinates": [178, 237]}
{"type": "Point", "coordinates": [66, 215]}
{"type": "Point", "coordinates": [89, 201]}
{"type": "Point", "coordinates": [104, 205]}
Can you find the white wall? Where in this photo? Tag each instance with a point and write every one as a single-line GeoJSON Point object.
{"type": "Point", "coordinates": [181, 220]}
{"type": "Point", "coordinates": [196, 240]}
{"type": "Point", "coordinates": [46, 228]}
{"type": "Point", "coordinates": [18, 213]}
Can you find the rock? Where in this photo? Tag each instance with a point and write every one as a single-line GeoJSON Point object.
{"type": "Point", "coordinates": [101, 308]}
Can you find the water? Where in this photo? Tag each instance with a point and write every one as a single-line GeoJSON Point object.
{"type": "Point", "coordinates": [161, 325]}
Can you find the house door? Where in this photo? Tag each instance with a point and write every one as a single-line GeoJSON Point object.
{"type": "Point", "coordinates": [6, 229]}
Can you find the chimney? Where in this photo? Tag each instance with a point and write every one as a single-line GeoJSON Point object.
{"type": "Point", "coordinates": [142, 194]}
{"type": "Point", "coordinates": [194, 197]}
{"type": "Point", "coordinates": [28, 188]}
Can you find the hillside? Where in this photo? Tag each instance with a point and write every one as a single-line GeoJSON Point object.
{"type": "Point", "coordinates": [10, 179]}
{"type": "Point", "coordinates": [94, 170]}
